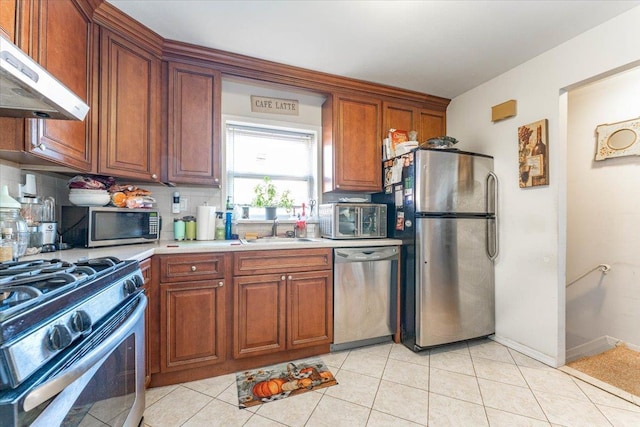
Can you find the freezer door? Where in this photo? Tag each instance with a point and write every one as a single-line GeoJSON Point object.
{"type": "Point", "coordinates": [453, 182]}
{"type": "Point", "coordinates": [454, 280]}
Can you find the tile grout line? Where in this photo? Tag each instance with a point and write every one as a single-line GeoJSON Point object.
{"type": "Point", "coordinates": [530, 389]}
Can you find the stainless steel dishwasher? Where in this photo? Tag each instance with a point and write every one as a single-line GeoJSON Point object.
{"type": "Point", "coordinates": [364, 295]}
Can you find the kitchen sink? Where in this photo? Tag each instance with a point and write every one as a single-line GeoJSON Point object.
{"type": "Point", "coordinates": [275, 240]}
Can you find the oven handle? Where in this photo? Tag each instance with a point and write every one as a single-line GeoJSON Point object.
{"type": "Point", "coordinates": [54, 386]}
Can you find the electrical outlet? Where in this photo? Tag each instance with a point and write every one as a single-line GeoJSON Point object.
{"type": "Point", "coordinates": [184, 204]}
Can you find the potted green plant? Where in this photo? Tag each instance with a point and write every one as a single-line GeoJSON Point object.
{"type": "Point", "coordinates": [266, 196]}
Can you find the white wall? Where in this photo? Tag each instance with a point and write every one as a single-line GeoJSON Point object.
{"type": "Point", "coordinates": [236, 101]}
{"type": "Point", "coordinates": [530, 272]}
{"type": "Point", "coordinates": [603, 213]}
{"type": "Point", "coordinates": [46, 184]}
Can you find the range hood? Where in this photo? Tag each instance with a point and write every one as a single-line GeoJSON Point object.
{"type": "Point", "coordinates": [28, 90]}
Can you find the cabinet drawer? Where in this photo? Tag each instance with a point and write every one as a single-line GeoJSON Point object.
{"type": "Point", "coordinates": [191, 267]}
{"type": "Point", "coordinates": [263, 262]}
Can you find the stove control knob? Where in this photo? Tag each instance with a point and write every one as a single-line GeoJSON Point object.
{"type": "Point", "coordinates": [138, 280]}
{"type": "Point", "coordinates": [129, 286]}
{"type": "Point", "coordinates": [59, 337]}
{"type": "Point", "coordinates": [80, 322]}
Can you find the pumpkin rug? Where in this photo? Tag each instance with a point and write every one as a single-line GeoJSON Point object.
{"type": "Point", "coordinates": [281, 381]}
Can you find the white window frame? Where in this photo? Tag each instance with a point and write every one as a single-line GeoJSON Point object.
{"type": "Point", "coordinates": [277, 125]}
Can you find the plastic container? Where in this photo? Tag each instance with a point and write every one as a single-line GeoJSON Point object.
{"type": "Point", "coordinates": [190, 227]}
{"type": "Point", "coordinates": [178, 229]}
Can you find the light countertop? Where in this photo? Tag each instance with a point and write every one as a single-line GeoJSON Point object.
{"type": "Point", "coordinates": [142, 251]}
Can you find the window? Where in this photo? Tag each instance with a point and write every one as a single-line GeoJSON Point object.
{"type": "Point", "coordinates": [287, 156]}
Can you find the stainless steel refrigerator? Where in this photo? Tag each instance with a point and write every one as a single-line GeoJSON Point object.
{"type": "Point", "coordinates": [442, 204]}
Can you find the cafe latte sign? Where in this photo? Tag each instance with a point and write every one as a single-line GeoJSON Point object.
{"type": "Point", "coordinates": [262, 104]}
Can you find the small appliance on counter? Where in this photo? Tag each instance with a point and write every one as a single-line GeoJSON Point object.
{"type": "Point", "coordinates": [49, 226]}
{"type": "Point", "coordinates": [353, 220]}
{"type": "Point", "coordinates": [94, 226]}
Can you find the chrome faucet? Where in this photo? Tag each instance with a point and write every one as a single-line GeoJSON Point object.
{"type": "Point", "coordinates": [274, 227]}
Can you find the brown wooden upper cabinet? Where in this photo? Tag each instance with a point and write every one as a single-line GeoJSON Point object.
{"type": "Point", "coordinates": [193, 124]}
{"type": "Point", "coordinates": [62, 41]}
{"type": "Point", "coordinates": [129, 109]}
{"type": "Point", "coordinates": [8, 16]}
{"type": "Point", "coordinates": [58, 35]}
{"type": "Point", "coordinates": [428, 123]}
{"type": "Point", "coordinates": [352, 143]}
{"type": "Point", "coordinates": [431, 124]}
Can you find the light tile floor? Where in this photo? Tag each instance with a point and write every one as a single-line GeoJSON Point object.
{"type": "Point", "coordinates": [479, 383]}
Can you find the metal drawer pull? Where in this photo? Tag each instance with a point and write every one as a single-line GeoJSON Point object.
{"type": "Point", "coordinates": [220, 284]}
{"type": "Point", "coordinates": [282, 278]}
{"type": "Point", "coordinates": [193, 268]}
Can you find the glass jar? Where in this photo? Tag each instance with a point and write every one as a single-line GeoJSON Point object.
{"type": "Point", "coordinates": [13, 228]}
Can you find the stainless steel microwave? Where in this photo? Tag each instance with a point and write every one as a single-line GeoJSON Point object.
{"type": "Point", "coordinates": [89, 227]}
{"type": "Point", "coordinates": [353, 220]}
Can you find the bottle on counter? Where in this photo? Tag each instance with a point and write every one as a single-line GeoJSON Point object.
{"type": "Point", "coordinates": [220, 231]}
{"type": "Point", "coordinates": [228, 223]}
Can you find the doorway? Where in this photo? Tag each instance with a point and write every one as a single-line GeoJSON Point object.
{"type": "Point", "coordinates": [603, 218]}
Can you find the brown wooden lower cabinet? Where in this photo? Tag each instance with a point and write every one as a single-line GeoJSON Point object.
{"type": "Point", "coordinates": [309, 309]}
{"type": "Point", "coordinates": [277, 312]}
{"type": "Point", "coordinates": [259, 305]}
{"type": "Point", "coordinates": [216, 313]}
{"type": "Point", "coordinates": [192, 323]}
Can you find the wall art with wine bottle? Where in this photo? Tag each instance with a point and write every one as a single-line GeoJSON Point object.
{"type": "Point", "coordinates": [533, 154]}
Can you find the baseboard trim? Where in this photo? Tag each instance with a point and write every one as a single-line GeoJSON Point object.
{"type": "Point", "coordinates": [527, 351]}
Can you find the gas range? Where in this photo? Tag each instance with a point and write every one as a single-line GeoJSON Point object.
{"type": "Point", "coordinates": [47, 305]}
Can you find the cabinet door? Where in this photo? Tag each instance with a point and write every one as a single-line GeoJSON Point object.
{"type": "Point", "coordinates": [192, 325]}
{"type": "Point", "coordinates": [432, 124]}
{"type": "Point", "coordinates": [352, 142]}
{"type": "Point", "coordinates": [309, 309]}
{"type": "Point", "coordinates": [8, 17]}
{"type": "Point", "coordinates": [129, 109]}
{"type": "Point", "coordinates": [193, 125]}
{"type": "Point", "coordinates": [62, 42]}
{"type": "Point", "coordinates": [399, 116]}
{"type": "Point", "coordinates": [259, 304]}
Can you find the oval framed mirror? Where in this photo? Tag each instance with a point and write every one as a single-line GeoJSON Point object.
{"type": "Point", "coordinates": [618, 139]}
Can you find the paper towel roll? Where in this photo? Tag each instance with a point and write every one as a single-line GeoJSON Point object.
{"type": "Point", "coordinates": [205, 222]}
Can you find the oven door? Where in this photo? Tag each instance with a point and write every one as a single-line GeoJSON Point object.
{"type": "Point", "coordinates": [101, 381]}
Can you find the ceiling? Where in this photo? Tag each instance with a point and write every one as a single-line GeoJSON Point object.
{"type": "Point", "coordinates": [441, 48]}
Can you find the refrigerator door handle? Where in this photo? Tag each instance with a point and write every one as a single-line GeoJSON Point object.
{"type": "Point", "coordinates": [491, 177]}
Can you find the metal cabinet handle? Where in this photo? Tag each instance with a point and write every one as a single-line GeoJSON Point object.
{"type": "Point", "coordinates": [193, 268]}
{"type": "Point", "coordinates": [283, 278]}
{"type": "Point", "coordinates": [220, 284]}
{"type": "Point", "coordinates": [154, 176]}
{"type": "Point", "coordinates": [290, 277]}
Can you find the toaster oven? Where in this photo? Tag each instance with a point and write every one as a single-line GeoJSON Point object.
{"type": "Point", "coordinates": [353, 220]}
